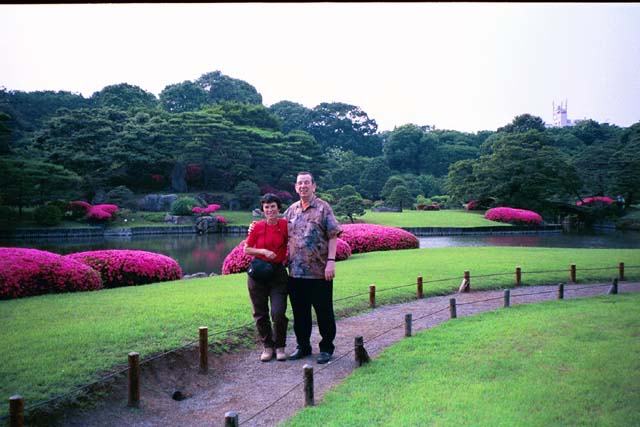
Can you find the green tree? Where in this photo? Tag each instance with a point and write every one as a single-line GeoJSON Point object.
{"type": "Point", "coordinates": [124, 96]}
{"type": "Point", "coordinates": [392, 183]}
{"type": "Point", "coordinates": [219, 87]}
{"type": "Point", "coordinates": [248, 193]}
{"type": "Point", "coordinates": [524, 123]}
{"type": "Point", "coordinates": [400, 197]}
{"type": "Point", "coordinates": [182, 97]}
{"type": "Point", "coordinates": [404, 149]}
{"type": "Point", "coordinates": [294, 116]}
{"type": "Point", "coordinates": [625, 166]}
{"type": "Point", "coordinates": [344, 126]}
{"type": "Point", "coordinates": [373, 177]}
{"type": "Point", "coordinates": [350, 206]}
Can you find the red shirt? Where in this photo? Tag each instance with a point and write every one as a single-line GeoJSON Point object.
{"type": "Point", "coordinates": [272, 237]}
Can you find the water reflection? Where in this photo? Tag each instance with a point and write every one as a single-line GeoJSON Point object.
{"type": "Point", "coordinates": [588, 239]}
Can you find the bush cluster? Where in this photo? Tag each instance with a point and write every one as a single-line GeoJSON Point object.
{"type": "Point", "coordinates": [595, 200]}
{"type": "Point", "coordinates": [237, 261]}
{"type": "Point", "coordinates": [119, 267]}
{"type": "Point", "coordinates": [513, 216]}
{"type": "Point", "coordinates": [28, 272]}
{"type": "Point", "coordinates": [373, 237]}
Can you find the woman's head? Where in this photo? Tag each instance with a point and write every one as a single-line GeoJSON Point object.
{"type": "Point", "coordinates": [270, 202]}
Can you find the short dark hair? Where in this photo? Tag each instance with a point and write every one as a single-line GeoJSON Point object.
{"type": "Point", "coordinates": [270, 198]}
{"type": "Point", "coordinates": [306, 173]}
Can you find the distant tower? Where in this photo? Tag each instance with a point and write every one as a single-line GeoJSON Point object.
{"type": "Point", "coordinates": [560, 115]}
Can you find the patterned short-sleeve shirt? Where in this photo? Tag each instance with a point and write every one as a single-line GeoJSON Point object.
{"type": "Point", "coordinates": [309, 233]}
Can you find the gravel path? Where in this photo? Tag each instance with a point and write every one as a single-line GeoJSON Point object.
{"type": "Point", "coordinates": [265, 394]}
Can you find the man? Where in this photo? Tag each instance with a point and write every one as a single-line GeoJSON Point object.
{"type": "Point", "coordinates": [313, 236]}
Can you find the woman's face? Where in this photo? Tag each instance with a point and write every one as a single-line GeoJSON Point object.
{"type": "Point", "coordinates": [270, 210]}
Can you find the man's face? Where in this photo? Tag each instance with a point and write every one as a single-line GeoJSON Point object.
{"type": "Point", "coordinates": [305, 187]}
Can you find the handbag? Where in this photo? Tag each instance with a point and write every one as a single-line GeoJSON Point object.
{"type": "Point", "coordinates": [260, 270]}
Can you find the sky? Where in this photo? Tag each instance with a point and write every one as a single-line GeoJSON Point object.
{"type": "Point", "coordinates": [453, 65]}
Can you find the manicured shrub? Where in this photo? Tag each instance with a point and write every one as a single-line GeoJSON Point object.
{"type": "Point", "coordinates": [372, 237]}
{"type": "Point", "coordinates": [183, 206]}
{"type": "Point", "coordinates": [79, 208]}
{"type": "Point", "coordinates": [28, 272]}
{"type": "Point", "coordinates": [121, 267]}
{"type": "Point", "coordinates": [47, 215]}
{"type": "Point", "coordinates": [595, 200]}
{"type": "Point", "coordinates": [513, 216]}
{"type": "Point", "coordinates": [205, 211]}
{"type": "Point", "coordinates": [101, 213]}
{"type": "Point", "coordinates": [236, 261]}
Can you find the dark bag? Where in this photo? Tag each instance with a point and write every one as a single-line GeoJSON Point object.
{"type": "Point", "coordinates": [260, 270]}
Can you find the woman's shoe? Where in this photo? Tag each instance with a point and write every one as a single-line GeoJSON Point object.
{"type": "Point", "coordinates": [281, 356]}
{"type": "Point", "coordinates": [267, 354]}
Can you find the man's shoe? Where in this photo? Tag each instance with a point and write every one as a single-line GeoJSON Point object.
{"type": "Point", "coordinates": [267, 354]}
{"type": "Point", "coordinates": [323, 357]}
{"type": "Point", "coordinates": [299, 354]}
{"type": "Point", "coordinates": [281, 356]}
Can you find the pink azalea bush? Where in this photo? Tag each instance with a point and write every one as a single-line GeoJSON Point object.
{"type": "Point", "coordinates": [28, 272]}
{"type": "Point", "coordinates": [372, 237]}
{"type": "Point", "coordinates": [121, 267]}
{"type": "Point", "coordinates": [204, 211]}
{"type": "Point", "coordinates": [513, 216]}
{"type": "Point", "coordinates": [236, 261]}
{"type": "Point", "coordinates": [595, 200]}
{"type": "Point", "coordinates": [471, 205]}
{"type": "Point", "coordinates": [103, 212]}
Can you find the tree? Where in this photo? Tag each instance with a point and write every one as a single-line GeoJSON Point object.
{"type": "Point", "coordinates": [219, 87]}
{"type": "Point", "coordinates": [344, 126]}
{"type": "Point", "coordinates": [400, 197]}
{"type": "Point", "coordinates": [350, 206]}
{"type": "Point", "coordinates": [524, 123]}
{"type": "Point", "coordinates": [26, 182]}
{"type": "Point", "coordinates": [124, 96]}
{"type": "Point", "coordinates": [373, 177]}
{"type": "Point", "coordinates": [182, 97]}
{"type": "Point", "coordinates": [294, 116]}
{"type": "Point", "coordinates": [391, 183]}
{"type": "Point", "coordinates": [248, 193]}
{"type": "Point", "coordinates": [404, 149]}
{"type": "Point", "coordinates": [625, 166]}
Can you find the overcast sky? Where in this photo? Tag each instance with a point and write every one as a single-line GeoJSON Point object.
{"type": "Point", "coordinates": [461, 66]}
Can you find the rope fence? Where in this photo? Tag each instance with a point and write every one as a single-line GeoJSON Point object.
{"type": "Point", "coordinates": [17, 407]}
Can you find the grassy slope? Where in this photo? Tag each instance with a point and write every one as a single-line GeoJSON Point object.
{"type": "Point", "coordinates": [569, 363]}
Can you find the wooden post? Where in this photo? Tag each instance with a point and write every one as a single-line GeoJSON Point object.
{"type": "Point", "coordinates": [452, 308]}
{"type": "Point", "coordinates": [407, 325]}
{"type": "Point", "coordinates": [134, 380]}
{"type": "Point", "coordinates": [467, 277]}
{"type": "Point", "coordinates": [613, 290]}
{"type": "Point", "coordinates": [507, 298]}
{"type": "Point", "coordinates": [572, 277]}
{"type": "Point", "coordinates": [16, 411]}
{"type": "Point", "coordinates": [372, 296]}
{"type": "Point", "coordinates": [360, 352]}
{"type": "Point", "coordinates": [419, 290]}
{"type": "Point", "coordinates": [621, 271]}
{"type": "Point", "coordinates": [308, 385]}
{"type": "Point", "coordinates": [518, 276]}
{"type": "Point", "coordinates": [204, 349]}
{"type": "Point", "coordinates": [231, 419]}
{"type": "Point", "coordinates": [561, 291]}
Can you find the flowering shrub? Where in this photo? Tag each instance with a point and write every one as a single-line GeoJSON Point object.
{"type": "Point", "coordinates": [28, 272]}
{"type": "Point", "coordinates": [221, 219]}
{"type": "Point", "coordinates": [595, 200]}
{"type": "Point", "coordinates": [471, 205]}
{"type": "Point", "coordinates": [237, 261]}
{"type": "Point", "coordinates": [120, 267]}
{"type": "Point", "coordinates": [513, 216]}
{"type": "Point", "coordinates": [204, 211]}
{"type": "Point", "coordinates": [79, 208]}
{"type": "Point", "coordinates": [157, 178]}
{"type": "Point", "coordinates": [372, 237]}
{"type": "Point", "coordinates": [103, 212]}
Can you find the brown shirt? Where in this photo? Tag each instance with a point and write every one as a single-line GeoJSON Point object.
{"type": "Point", "coordinates": [309, 233]}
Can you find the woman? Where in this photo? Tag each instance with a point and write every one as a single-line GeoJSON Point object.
{"type": "Point", "coordinates": [267, 240]}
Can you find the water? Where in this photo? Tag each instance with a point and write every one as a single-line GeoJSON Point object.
{"type": "Point", "coordinates": [205, 253]}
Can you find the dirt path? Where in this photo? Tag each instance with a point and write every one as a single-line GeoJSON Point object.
{"type": "Point", "coordinates": [265, 394]}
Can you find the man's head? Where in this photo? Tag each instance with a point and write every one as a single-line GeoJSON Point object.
{"type": "Point", "coordinates": [305, 186]}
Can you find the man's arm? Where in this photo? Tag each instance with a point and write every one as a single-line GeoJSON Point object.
{"type": "Point", "coordinates": [330, 269]}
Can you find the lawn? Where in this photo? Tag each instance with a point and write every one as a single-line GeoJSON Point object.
{"type": "Point", "coordinates": [53, 343]}
{"type": "Point", "coordinates": [557, 363]}
{"type": "Point", "coordinates": [443, 218]}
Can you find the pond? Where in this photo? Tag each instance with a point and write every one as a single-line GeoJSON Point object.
{"type": "Point", "coordinates": [205, 253]}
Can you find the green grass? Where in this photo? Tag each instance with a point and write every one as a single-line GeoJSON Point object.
{"type": "Point", "coordinates": [558, 363]}
{"type": "Point", "coordinates": [53, 343]}
{"type": "Point", "coordinates": [444, 218]}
